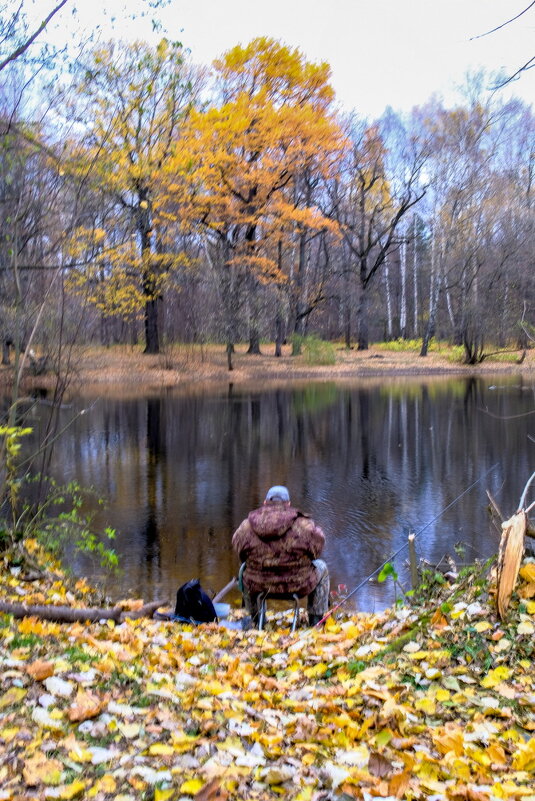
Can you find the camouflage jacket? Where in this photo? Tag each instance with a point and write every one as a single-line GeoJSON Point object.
{"type": "Point", "coordinates": [277, 544]}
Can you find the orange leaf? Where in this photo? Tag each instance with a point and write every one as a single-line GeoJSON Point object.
{"type": "Point", "coordinates": [85, 707]}
{"type": "Point", "coordinates": [398, 784]}
{"type": "Point", "coordinates": [40, 670]}
{"type": "Point", "coordinates": [131, 604]}
{"type": "Point", "coordinates": [211, 791]}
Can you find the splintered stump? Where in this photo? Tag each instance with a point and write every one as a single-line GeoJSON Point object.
{"type": "Point", "coordinates": [509, 559]}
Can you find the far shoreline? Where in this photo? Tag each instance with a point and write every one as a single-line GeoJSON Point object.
{"type": "Point", "coordinates": [93, 369]}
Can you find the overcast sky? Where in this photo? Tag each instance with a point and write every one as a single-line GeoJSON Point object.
{"type": "Point", "coordinates": [382, 52]}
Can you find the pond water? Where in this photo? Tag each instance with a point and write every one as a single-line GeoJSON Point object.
{"type": "Point", "coordinates": [370, 462]}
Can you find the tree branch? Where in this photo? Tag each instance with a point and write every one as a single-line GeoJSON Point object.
{"type": "Point", "coordinates": [503, 24]}
{"type": "Point", "coordinates": [19, 51]}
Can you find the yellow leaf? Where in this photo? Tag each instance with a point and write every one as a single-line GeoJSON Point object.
{"type": "Point", "coordinates": [508, 789]}
{"type": "Point", "coordinates": [81, 755]}
{"type": "Point", "coordinates": [524, 758]}
{"type": "Point", "coordinates": [418, 655]}
{"type": "Point", "coordinates": [482, 625]}
{"type": "Point", "coordinates": [449, 739]}
{"type": "Point", "coordinates": [192, 786]}
{"type": "Point", "coordinates": [129, 730]}
{"type": "Point", "coordinates": [161, 749]}
{"type": "Point", "coordinates": [527, 572]}
{"type": "Point", "coordinates": [182, 742]}
{"type": "Point", "coordinates": [426, 705]}
{"type": "Point", "coordinates": [496, 676]}
{"type": "Point", "coordinates": [163, 795]}
{"type": "Point", "coordinates": [480, 756]}
{"type": "Point", "coordinates": [315, 671]}
{"type": "Point", "coordinates": [527, 590]}
{"type": "Point", "coordinates": [66, 791]}
{"type": "Point", "coordinates": [305, 794]}
{"type": "Point", "coordinates": [331, 625]}
{"type": "Point", "coordinates": [497, 754]}
{"type": "Point", "coordinates": [106, 784]}
{"type": "Point", "coordinates": [40, 770]}
{"type": "Point", "coordinates": [12, 696]}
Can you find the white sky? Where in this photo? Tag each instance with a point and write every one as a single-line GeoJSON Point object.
{"type": "Point", "coordinates": [382, 52]}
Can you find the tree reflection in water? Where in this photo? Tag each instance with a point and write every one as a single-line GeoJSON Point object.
{"type": "Point", "coordinates": [371, 462]}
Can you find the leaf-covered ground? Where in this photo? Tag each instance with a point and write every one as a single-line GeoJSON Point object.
{"type": "Point", "coordinates": [433, 702]}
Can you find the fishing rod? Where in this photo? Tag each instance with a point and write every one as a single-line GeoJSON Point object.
{"type": "Point", "coordinates": [393, 556]}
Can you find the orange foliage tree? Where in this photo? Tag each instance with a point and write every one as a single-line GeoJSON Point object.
{"type": "Point", "coordinates": [234, 180]}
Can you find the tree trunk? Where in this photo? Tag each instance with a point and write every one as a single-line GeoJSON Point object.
{"type": "Point", "coordinates": [363, 307]}
{"type": "Point", "coordinates": [389, 328]}
{"type": "Point", "coordinates": [403, 298]}
{"type": "Point", "coordinates": [279, 333]}
{"type": "Point", "coordinates": [6, 344]}
{"type": "Point", "coordinates": [230, 351]}
{"type": "Point", "coordinates": [254, 342]}
{"type": "Point", "coordinates": [144, 226]}
{"type": "Point", "coordinates": [152, 336]}
{"type": "Point", "coordinates": [434, 294]}
{"type": "Point", "coordinates": [415, 282]}
{"type": "Point", "coordinates": [300, 292]}
{"type": "Point", "coordinates": [431, 323]}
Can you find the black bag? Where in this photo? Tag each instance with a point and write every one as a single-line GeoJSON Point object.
{"type": "Point", "coordinates": [193, 604]}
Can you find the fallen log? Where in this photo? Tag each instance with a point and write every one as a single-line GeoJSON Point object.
{"type": "Point", "coordinates": [70, 614]}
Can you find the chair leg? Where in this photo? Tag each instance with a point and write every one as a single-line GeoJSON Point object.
{"type": "Point", "coordinates": [296, 613]}
{"type": "Point", "coordinates": [261, 613]}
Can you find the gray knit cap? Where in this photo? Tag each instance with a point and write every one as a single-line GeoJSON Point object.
{"type": "Point", "coordinates": [278, 493]}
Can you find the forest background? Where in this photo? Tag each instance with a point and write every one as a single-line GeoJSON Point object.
{"type": "Point", "coordinates": [148, 200]}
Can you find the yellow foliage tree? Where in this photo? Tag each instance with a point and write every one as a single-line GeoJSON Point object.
{"type": "Point", "coordinates": [133, 100]}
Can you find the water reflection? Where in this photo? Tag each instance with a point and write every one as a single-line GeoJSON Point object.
{"type": "Point", "coordinates": [370, 462]}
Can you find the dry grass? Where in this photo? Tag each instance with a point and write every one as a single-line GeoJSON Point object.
{"type": "Point", "coordinates": [193, 365]}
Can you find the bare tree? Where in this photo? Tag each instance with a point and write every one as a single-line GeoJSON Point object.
{"type": "Point", "coordinates": [529, 64]}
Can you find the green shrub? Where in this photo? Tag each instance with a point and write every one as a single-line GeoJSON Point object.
{"type": "Point", "coordinates": [457, 354]}
{"type": "Point", "coordinates": [404, 345]}
{"type": "Point", "coordinates": [505, 357]}
{"type": "Point", "coordinates": [315, 351]}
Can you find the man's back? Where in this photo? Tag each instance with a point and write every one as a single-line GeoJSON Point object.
{"type": "Point", "coordinates": [278, 544]}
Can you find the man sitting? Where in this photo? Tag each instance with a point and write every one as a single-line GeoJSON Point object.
{"type": "Point", "coordinates": [280, 546]}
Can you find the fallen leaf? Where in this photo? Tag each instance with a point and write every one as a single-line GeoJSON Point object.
{"type": "Point", "coordinates": [212, 791]}
{"type": "Point", "coordinates": [161, 749]}
{"type": "Point", "coordinates": [12, 696]}
{"type": "Point", "coordinates": [398, 784]}
{"type": "Point", "coordinates": [192, 786]}
{"type": "Point", "coordinates": [38, 769]}
{"type": "Point", "coordinates": [58, 686]}
{"type": "Point", "coordinates": [527, 572]}
{"type": "Point", "coordinates": [379, 766]}
{"type": "Point", "coordinates": [86, 706]}
{"type": "Point", "coordinates": [66, 791]}
{"type": "Point", "coordinates": [131, 604]}
{"type": "Point", "coordinates": [163, 795]}
{"type": "Point", "coordinates": [40, 669]}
